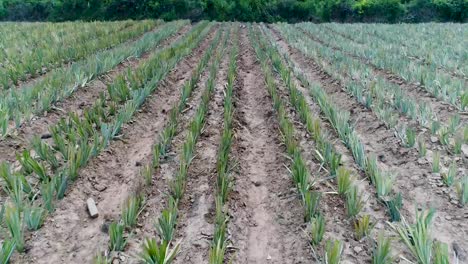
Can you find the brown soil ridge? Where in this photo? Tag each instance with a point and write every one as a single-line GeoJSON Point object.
{"type": "Point", "coordinates": [80, 100]}
{"type": "Point", "coordinates": [413, 178]}
{"type": "Point", "coordinates": [69, 235]}
{"type": "Point", "coordinates": [197, 208]}
{"type": "Point", "coordinates": [266, 225]}
{"type": "Point", "coordinates": [156, 199]}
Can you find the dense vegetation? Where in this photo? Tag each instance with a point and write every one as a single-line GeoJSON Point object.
{"type": "Point", "coordinates": [244, 10]}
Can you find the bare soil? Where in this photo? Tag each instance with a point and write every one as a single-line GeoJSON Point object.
{"type": "Point", "coordinates": [267, 218]}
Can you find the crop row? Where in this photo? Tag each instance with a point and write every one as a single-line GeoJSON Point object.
{"type": "Point", "coordinates": [426, 247]}
{"type": "Point", "coordinates": [382, 97]}
{"type": "Point", "coordinates": [412, 41]}
{"type": "Point", "coordinates": [21, 105]}
{"type": "Point", "coordinates": [224, 181]}
{"type": "Point", "coordinates": [346, 185]}
{"type": "Point", "coordinates": [135, 202]}
{"type": "Point", "coordinates": [32, 62]}
{"type": "Point", "coordinates": [299, 170]}
{"type": "Point", "coordinates": [76, 140]}
{"type": "Point", "coordinates": [389, 57]}
{"type": "Point", "coordinates": [161, 250]}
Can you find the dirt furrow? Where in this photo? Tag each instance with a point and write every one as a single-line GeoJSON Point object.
{"type": "Point", "coordinates": [77, 103]}
{"type": "Point", "coordinates": [413, 179]}
{"type": "Point", "coordinates": [69, 235]}
{"type": "Point", "coordinates": [156, 199]}
{"type": "Point", "coordinates": [332, 206]}
{"type": "Point", "coordinates": [196, 220]}
{"type": "Point", "coordinates": [267, 217]}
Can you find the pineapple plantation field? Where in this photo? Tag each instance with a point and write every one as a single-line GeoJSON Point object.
{"type": "Point", "coordinates": [208, 142]}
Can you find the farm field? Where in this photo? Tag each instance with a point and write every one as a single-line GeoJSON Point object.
{"type": "Point", "coordinates": [178, 142]}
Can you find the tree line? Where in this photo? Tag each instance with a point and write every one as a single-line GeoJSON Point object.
{"type": "Point", "coordinates": [242, 10]}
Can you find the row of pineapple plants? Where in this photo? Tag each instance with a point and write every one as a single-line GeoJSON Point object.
{"type": "Point", "coordinates": [33, 62]}
{"type": "Point", "coordinates": [382, 96]}
{"type": "Point", "coordinates": [224, 181]}
{"type": "Point", "coordinates": [298, 168]}
{"type": "Point", "coordinates": [346, 183]}
{"type": "Point", "coordinates": [340, 121]}
{"type": "Point", "coordinates": [451, 134]}
{"type": "Point", "coordinates": [134, 204]}
{"type": "Point", "coordinates": [428, 53]}
{"type": "Point", "coordinates": [437, 251]}
{"type": "Point", "coordinates": [76, 140]}
{"type": "Point", "coordinates": [18, 38]}
{"type": "Point", "coordinates": [390, 57]}
{"type": "Point", "coordinates": [19, 105]}
{"type": "Point", "coordinates": [406, 134]}
{"type": "Point", "coordinates": [164, 249]}
{"type": "Point", "coordinates": [434, 53]}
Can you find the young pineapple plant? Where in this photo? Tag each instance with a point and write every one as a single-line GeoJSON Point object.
{"type": "Point", "coordinates": [462, 190]}
{"type": "Point", "coordinates": [344, 180]}
{"type": "Point", "coordinates": [417, 237]}
{"type": "Point", "coordinates": [363, 227]}
{"type": "Point", "coordinates": [14, 224]}
{"type": "Point", "coordinates": [6, 250]}
{"type": "Point", "coordinates": [34, 217]}
{"type": "Point", "coordinates": [131, 210]}
{"type": "Point", "coordinates": [449, 177]}
{"type": "Point", "coordinates": [158, 253]}
{"type": "Point", "coordinates": [354, 202]}
{"type": "Point", "coordinates": [117, 239]}
{"type": "Point", "coordinates": [382, 253]}
{"type": "Point", "coordinates": [436, 162]}
{"type": "Point", "coordinates": [317, 229]}
{"type": "Point", "coordinates": [333, 251]}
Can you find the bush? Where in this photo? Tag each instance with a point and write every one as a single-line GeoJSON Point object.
{"type": "Point", "coordinates": [379, 10]}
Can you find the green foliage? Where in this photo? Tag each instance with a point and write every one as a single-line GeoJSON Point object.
{"type": "Point", "coordinates": [333, 251]}
{"type": "Point", "coordinates": [362, 227]}
{"type": "Point", "coordinates": [311, 202]}
{"type": "Point", "coordinates": [34, 217]}
{"type": "Point", "coordinates": [344, 180]}
{"type": "Point", "coordinates": [7, 249]}
{"type": "Point", "coordinates": [117, 239]}
{"type": "Point", "coordinates": [317, 229]}
{"type": "Point", "coordinates": [15, 226]}
{"type": "Point", "coordinates": [257, 10]}
{"type": "Point", "coordinates": [354, 202]}
{"type": "Point", "coordinates": [158, 253]}
{"type": "Point", "coordinates": [382, 251]}
{"type": "Point", "coordinates": [441, 253]}
{"type": "Point", "coordinates": [417, 236]}
{"type": "Point", "coordinates": [131, 209]}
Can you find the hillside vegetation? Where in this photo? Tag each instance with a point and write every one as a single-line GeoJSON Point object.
{"type": "Point", "coordinates": [242, 10]}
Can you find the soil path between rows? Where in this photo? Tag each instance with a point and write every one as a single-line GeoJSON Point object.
{"type": "Point", "coordinates": [157, 197]}
{"type": "Point", "coordinates": [69, 235]}
{"type": "Point", "coordinates": [196, 221]}
{"type": "Point", "coordinates": [266, 226]}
